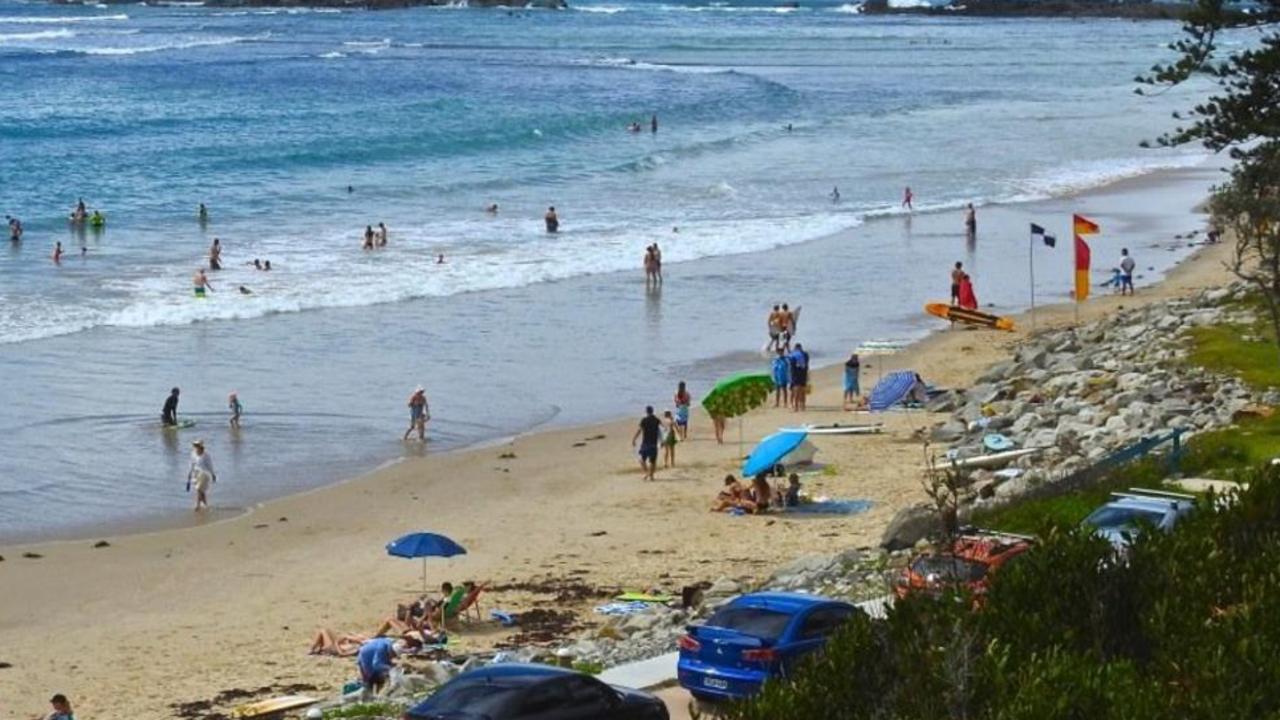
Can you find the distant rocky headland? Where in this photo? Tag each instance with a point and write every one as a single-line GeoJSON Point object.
{"type": "Point", "coordinates": [1136, 9]}
{"type": "Point", "coordinates": [369, 4]}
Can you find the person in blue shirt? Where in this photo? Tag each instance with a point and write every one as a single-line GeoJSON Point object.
{"type": "Point", "coordinates": [799, 377]}
{"type": "Point", "coordinates": [61, 708]}
{"type": "Point", "coordinates": [781, 379]}
{"type": "Point", "coordinates": [375, 660]}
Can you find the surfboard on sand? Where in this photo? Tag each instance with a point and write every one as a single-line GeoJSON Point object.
{"type": "Point", "coordinates": [274, 707]}
{"type": "Point", "coordinates": [955, 313]}
{"type": "Point", "coordinates": [993, 460]}
{"type": "Point", "coordinates": [838, 429]}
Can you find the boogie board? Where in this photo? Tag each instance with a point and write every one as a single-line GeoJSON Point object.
{"type": "Point", "coordinates": [182, 425]}
{"type": "Point", "coordinates": [955, 313]}
{"type": "Point", "coordinates": [275, 707]}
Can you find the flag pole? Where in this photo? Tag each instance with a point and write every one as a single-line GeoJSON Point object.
{"type": "Point", "coordinates": [1031, 262]}
{"type": "Point", "coordinates": [1074, 271]}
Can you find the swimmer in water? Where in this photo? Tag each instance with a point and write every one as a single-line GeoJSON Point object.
{"type": "Point", "coordinates": [552, 220]}
{"type": "Point", "coordinates": [266, 265]}
{"type": "Point", "coordinates": [215, 255]}
{"type": "Point", "coordinates": [907, 197]}
{"type": "Point", "coordinates": [492, 209]}
{"type": "Point", "coordinates": [257, 264]}
{"type": "Point", "coordinates": [382, 235]}
{"type": "Point", "coordinates": [245, 291]}
{"type": "Point", "coordinates": [350, 189]}
{"type": "Point", "coordinates": [835, 194]}
{"type": "Point", "coordinates": [440, 259]}
{"type": "Point", "coordinates": [201, 283]}
{"type": "Point", "coordinates": [57, 253]}
{"type": "Point", "coordinates": [203, 213]}
{"type": "Point", "coordinates": [368, 237]}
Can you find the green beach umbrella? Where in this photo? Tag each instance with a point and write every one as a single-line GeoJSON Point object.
{"type": "Point", "coordinates": [738, 395]}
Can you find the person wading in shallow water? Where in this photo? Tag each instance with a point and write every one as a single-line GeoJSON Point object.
{"type": "Point", "coordinates": [201, 474]}
{"type": "Point", "coordinates": [418, 414]}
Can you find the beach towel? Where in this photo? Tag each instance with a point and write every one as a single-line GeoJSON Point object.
{"type": "Point", "coordinates": [832, 507]}
{"type": "Point", "coordinates": [622, 608]}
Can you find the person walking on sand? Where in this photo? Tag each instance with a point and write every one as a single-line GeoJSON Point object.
{"type": "Point", "coordinates": [233, 404]}
{"type": "Point", "coordinates": [788, 320]}
{"type": "Point", "coordinates": [970, 222]}
{"type": "Point", "coordinates": [781, 379]}
{"type": "Point", "coordinates": [1127, 266]}
{"type": "Point", "coordinates": [682, 400]}
{"type": "Point", "coordinates": [215, 255]}
{"type": "Point", "coordinates": [61, 708]}
{"type": "Point", "coordinates": [907, 197]}
{"type": "Point", "coordinates": [649, 435]}
{"type": "Point", "coordinates": [957, 273]}
{"type": "Point", "coordinates": [552, 220]}
{"type": "Point", "coordinates": [852, 386]}
{"type": "Point", "coordinates": [201, 283]}
{"type": "Point", "coordinates": [670, 437]}
{"type": "Point", "coordinates": [418, 415]}
{"type": "Point", "coordinates": [201, 474]}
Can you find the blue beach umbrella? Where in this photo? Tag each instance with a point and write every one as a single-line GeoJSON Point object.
{"type": "Point", "coordinates": [771, 450]}
{"type": "Point", "coordinates": [424, 545]}
{"type": "Point", "coordinates": [892, 389]}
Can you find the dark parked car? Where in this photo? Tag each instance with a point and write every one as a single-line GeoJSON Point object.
{"type": "Point", "coordinates": [515, 691]}
{"type": "Point", "coordinates": [753, 638]}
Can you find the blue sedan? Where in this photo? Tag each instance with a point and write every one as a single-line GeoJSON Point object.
{"type": "Point", "coordinates": [753, 638]}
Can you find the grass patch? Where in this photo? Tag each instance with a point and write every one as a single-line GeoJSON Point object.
{"type": "Point", "coordinates": [1248, 352]}
{"type": "Point", "coordinates": [1220, 453]}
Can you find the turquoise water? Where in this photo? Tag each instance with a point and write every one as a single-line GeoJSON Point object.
{"type": "Point", "coordinates": [267, 116]}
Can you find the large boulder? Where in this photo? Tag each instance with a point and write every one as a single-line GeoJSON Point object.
{"type": "Point", "coordinates": [909, 526]}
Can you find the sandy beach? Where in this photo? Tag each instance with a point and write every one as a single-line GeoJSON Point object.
{"type": "Point", "coordinates": [149, 620]}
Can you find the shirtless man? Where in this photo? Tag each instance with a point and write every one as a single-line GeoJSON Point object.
{"type": "Point", "coordinates": [552, 220]}
{"type": "Point", "coordinates": [775, 328]}
{"type": "Point", "coordinates": [382, 235]}
{"type": "Point", "coordinates": [368, 237]}
{"type": "Point", "coordinates": [787, 322]}
{"type": "Point", "coordinates": [956, 273]}
{"type": "Point", "coordinates": [657, 263]}
{"type": "Point", "coordinates": [201, 282]}
{"type": "Point", "coordinates": [650, 275]}
{"type": "Point", "coordinates": [15, 229]}
{"type": "Point", "coordinates": [215, 255]}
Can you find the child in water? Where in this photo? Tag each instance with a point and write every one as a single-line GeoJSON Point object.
{"type": "Point", "coordinates": [233, 404]}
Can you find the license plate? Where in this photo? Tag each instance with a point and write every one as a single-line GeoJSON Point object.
{"type": "Point", "coordinates": [716, 683]}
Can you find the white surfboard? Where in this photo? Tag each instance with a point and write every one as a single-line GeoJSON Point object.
{"type": "Point", "coordinates": [992, 460]}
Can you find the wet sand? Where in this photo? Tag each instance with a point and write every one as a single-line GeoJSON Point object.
{"type": "Point", "coordinates": [181, 615]}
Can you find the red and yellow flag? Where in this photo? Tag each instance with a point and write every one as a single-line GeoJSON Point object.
{"type": "Point", "coordinates": [1081, 226]}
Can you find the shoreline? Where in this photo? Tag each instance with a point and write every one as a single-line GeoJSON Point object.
{"type": "Point", "coordinates": [177, 519]}
{"type": "Point", "coordinates": [239, 599]}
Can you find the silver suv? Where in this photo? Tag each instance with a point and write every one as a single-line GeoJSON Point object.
{"type": "Point", "coordinates": [1125, 515]}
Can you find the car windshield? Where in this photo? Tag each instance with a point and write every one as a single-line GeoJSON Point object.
{"type": "Point", "coordinates": [949, 568]}
{"type": "Point", "coordinates": [757, 622]}
{"type": "Point", "coordinates": [475, 697]}
{"type": "Point", "coordinates": [1113, 516]}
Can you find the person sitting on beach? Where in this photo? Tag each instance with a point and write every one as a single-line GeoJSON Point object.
{"type": "Point", "coordinates": [760, 493]}
{"type": "Point", "coordinates": [791, 496]}
{"type": "Point", "coordinates": [61, 708]}
{"type": "Point", "coordinates": [732, 497]}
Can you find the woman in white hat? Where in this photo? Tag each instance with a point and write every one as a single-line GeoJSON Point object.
{"type": "Point", "coordinates": [201, 474]}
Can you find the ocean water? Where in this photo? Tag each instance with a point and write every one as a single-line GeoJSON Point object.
{"type": "Point", "coordinates": [267, 116]}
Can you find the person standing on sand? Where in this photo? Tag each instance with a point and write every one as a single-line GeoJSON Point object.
{"type": "Point", "coordinates": [1127, 266]}
{"type": "Point", "coordinates": [648, 434]}
{"type": "Point", "coordinates": [907, 197]}
{"type": "Point", "coordinates": [670, 438]}
{"type": "Point", "coordinates": [61, 708]}
{"type": "Point", "coordinates": [201, 282]}
{"type": "Point", "coordinates": [799, 378]}
{"type": "Point", "coordinates": [201, 474]}
{"type": "Point", "coordinates": [418, 415]}
{"type": "Point", "coordinates": [717, 426]}
{"type": "Point", "coordinates": [970, 222]}
{"type": "Point", "coordinates": [852, 386]}
{"type": "Point", "coordinates": [683, 400]}
{"type": "Point", "coordinates": [957, 273]}
{"type": "Point", "coordinates": [552, 220]}
{"type": "Point", "coordinates": [781, 379]}
{"type": "Point", "coordinates": [215, 255]}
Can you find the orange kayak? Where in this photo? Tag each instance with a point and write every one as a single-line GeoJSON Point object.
{"type": "Point", "coordinates": [955, 313]}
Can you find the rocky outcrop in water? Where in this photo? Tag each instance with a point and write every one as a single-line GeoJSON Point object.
{"type": "Point", "coordinates": [1136, 9]}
